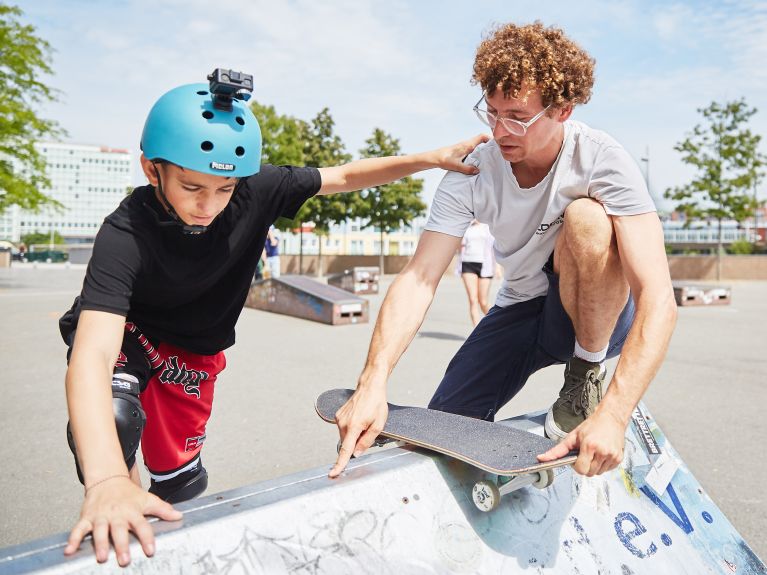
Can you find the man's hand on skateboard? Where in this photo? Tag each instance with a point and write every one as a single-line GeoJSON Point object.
{"type": "Point", "coordinates": [359, 422]}
{"type": "Point", "coordinates": [599, 442]}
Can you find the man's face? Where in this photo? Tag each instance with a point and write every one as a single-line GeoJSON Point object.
{"type": "Point", "coordinates": [540, 135]}
{"type": "Point", "coordinates": [197, 198]}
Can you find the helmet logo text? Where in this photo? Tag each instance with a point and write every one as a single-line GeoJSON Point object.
{"type": "Point", "coordinates": [222, 167]}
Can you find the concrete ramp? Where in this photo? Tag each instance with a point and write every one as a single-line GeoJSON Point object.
{"type": "Point", "coordinates": [357, 280]}
{"type": "Point", "coordinates": [306, 298]}
{"type": "Point", "coordinates": [405, 511]}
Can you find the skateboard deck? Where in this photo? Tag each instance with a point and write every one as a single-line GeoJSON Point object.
{"type": "Point", "coordinates": [494, 448]}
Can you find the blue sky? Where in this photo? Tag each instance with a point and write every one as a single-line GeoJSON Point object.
{"type": "Point", "coordinates": [401, 66]}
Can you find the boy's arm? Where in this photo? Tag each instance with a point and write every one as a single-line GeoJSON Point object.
{"type": "Point", "coordinates": [89, 394]}
{"type": "Point", "coordinates": [361, 419]}
{"type": "Point", "coordinates": [113, 504]}
{"type": "Point", "coordinates": [372, 172]}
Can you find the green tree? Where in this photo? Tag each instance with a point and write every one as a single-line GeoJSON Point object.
{"type": "Point", "coordinates": [282, 136]}
{"type": "Point", "coordinates": [281, 142]}
{"type": "Point", "coordinates": [741, 247]}
{"type": "Point", "coordinates": [323, 148]}
{"type": "Point", "coordinates": [42, 239]}
{"type": "Point", "coordinates": [728, 164]}
{"type": "Point", "coordinates": [391, 206]}
{"type": "Point", "coordinates": [25, 61]}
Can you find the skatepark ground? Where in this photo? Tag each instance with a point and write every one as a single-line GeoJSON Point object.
{"type": "Point", "coordinates": [708, 397]}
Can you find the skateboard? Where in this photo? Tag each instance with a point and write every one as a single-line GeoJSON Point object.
{"type": "Point", "coordinates": [504, 451]}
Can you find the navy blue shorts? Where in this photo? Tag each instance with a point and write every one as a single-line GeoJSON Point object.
{"type": "Point", "coordinates": [508, 346]}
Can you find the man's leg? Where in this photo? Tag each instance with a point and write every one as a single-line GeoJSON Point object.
{"type": "Point", "coordinates": [594, 293]}
{"type": "Point", "coordinates": [493, 363]}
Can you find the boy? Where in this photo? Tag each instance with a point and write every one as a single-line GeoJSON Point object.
{"type": "Point", "coordinates": [170, 272]}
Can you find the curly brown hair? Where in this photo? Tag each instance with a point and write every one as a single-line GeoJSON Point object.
{"type": "Point", "coordinates": [511, 56]}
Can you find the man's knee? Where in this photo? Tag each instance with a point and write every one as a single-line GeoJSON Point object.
{"type": "Point", "coordinates": [587, 231]}
{"type": "Point", "coordinates": [130, 419]}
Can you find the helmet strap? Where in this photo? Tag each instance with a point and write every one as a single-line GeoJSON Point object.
{"type": "Point", "coordinates": [186, 229]}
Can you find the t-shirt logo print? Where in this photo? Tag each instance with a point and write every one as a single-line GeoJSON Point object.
{"type": "Point", "coordinates": [189, 378]}
{"type": "Point", "coordinates": [543, 228]}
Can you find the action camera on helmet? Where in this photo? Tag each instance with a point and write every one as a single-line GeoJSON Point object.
{"type": "Point", "coordinates": [228, 84]}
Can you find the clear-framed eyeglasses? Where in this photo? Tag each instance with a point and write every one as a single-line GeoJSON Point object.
{"type": "Point", "coordinates": [516, 127]}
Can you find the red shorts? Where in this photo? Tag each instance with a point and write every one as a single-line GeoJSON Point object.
{"type": "Point", "coordinates": [177, 396]}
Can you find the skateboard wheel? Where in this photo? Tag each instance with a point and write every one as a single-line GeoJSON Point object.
{"type": "Point", "coordinates": [545, 478]}
{"type": "Point", "coordinates": [486, 495]}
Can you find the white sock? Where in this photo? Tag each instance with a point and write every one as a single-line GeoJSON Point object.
{"type": "Point", "coordinates": [592, 356]}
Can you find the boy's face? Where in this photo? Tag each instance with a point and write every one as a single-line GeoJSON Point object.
{"type": "Point", "coordinates": [540, 136]}
{"type": "Point", "coordinates": [197, 198]}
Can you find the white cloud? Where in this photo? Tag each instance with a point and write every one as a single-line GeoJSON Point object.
{"type": "Point", "coordinates": [402, 66]}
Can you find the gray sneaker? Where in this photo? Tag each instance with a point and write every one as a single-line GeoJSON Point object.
{"type": "Point", "coordinates": [577, 399]}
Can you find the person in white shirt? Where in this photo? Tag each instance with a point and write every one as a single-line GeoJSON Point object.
{"type": "Point", "coordinates": [477, 267]}
{"type": "Point", "coordinates": [576, 233]}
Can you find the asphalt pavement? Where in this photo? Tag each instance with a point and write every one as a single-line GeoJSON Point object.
{"type": "Point", "coordinates": [709, 396]}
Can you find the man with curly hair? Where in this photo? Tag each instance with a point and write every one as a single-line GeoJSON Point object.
{"type": "Point", "coordinates": [585, 270]}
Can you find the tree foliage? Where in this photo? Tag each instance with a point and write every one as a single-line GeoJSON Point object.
{"type": "Point", "coordinates": [391, 206]}
{"type": "Point", "coordinates": [291, 141]}
{"type": "Point", "coordinates": [322, 148]}
{"type": "Point", "coordinates": [725, 154]}
{"type": "Point", "coordinates": [281, 136]}
{"type": "Point", "coordinates": [42, 238]}
{"type": "Point", "coordinates": [25, 61]}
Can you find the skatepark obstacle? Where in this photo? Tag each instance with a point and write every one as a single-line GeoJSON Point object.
{"type": "Point", "coordinates": [687, 294]}
{"type": "Point", "coordinates": [359, 279]}
{"type": "Point", "coordinates": [306, 298]}
{"type": "Point", "coordinates": [406, 510]}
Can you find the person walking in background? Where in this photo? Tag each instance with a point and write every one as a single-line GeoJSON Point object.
{"type": "Point", "coordinates": [477, 265]}
{"type": "Point", "coordinates": [272, 248]}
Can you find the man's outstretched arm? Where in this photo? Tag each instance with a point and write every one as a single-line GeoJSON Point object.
{"type": "Point", "coordinates": [362, 418]}
{"type": "Point", "coordinates": [371, 172]}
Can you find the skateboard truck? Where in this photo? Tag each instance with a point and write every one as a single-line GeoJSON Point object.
{"type": "Point", "coordinates": [487, 494]}
{"type": "Point", "coordinates": [380, 441]}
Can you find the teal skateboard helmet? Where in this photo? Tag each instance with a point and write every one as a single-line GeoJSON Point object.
{"type": "Point", "coordinates": [207, 128]}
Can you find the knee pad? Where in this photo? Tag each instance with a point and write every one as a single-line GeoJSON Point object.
{"type": "Point", "coordinates": [184, 486]}
{"type": "Point", "coordinates": [130, 419]}
{"type": "Point", "coordinates": [129, 415]}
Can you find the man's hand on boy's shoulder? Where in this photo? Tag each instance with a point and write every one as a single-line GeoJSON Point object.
{"type": "Point", "coordinates": [113, 509]}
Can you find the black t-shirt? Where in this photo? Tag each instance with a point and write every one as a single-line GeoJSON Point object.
{"type": "Point", "coordinates": [187, 290]}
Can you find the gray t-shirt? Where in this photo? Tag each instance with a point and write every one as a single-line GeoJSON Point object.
{"type": "Point", "coordinates": [525, 221]}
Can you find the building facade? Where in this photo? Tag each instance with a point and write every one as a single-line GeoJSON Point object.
{"type": "Point", "coordinates": [349, 238]}
{"type": "Point", "coordinates": [89, 181]}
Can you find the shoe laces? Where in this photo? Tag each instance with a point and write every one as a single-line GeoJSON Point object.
{"type": "Point", "coordinates": [583, 394]}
